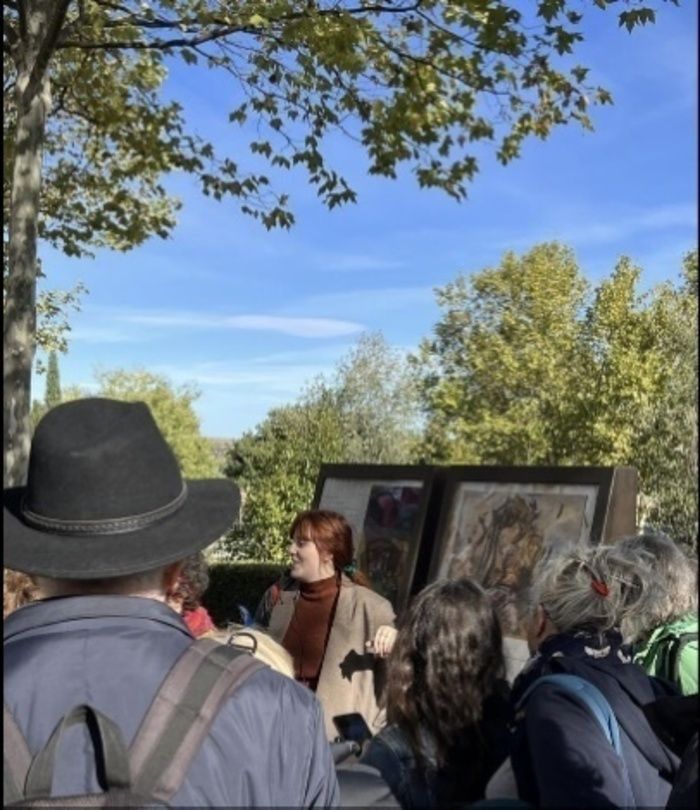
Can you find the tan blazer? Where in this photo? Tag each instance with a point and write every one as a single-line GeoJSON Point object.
{"type": "Point", "coordinates": [351, 680]}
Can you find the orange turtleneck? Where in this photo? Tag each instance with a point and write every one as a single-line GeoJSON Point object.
{"type": "Point", "coordinates": [307, 634]}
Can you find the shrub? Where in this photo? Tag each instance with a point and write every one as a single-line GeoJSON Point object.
{"type": "Point", "coordinates": [237, 583]}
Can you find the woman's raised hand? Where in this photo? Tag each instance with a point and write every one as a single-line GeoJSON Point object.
{"type": "Point", "coordinates": [383, 641]}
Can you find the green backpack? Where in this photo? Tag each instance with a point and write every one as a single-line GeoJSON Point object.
{"type": "Point", "coordinates": [672, 653]}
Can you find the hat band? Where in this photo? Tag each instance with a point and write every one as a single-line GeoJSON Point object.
{"type": "Point", "coordinates": [101, 527]}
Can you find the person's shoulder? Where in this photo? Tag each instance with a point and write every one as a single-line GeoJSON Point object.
{"type": "Point", "coordinates": [682, 624]}
{"type": "Point", "coordinates": [270, 688]}
{"type": "Point", "coordinates": [366, 596]}
{"type": "Point", "coordinates": [393, 739]}
{"type": "Point", "coordinates": [283, 584]}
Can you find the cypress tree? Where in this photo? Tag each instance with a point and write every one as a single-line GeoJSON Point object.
{"type": "Point", "coordinates": [52, 397]}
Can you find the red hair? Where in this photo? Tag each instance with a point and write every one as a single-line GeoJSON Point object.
{"type": "Point", "coordinates": [331, 534]}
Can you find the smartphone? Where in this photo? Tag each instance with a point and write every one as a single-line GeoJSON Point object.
{"type": "Point", "coordinates": [352, 727]}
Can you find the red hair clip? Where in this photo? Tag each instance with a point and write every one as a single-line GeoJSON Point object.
{"type": "Point", "coordinates": [600, 587]}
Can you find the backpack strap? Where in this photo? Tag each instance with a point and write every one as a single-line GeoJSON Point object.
{"type": "Point", "coordinates": [182, 713]}
{"type": "Point", "coordinates": [590, 696]}
{"type": "Point", "coordinates": [673, 665]}
{"type": "Point", "coordinates": [596, 702]}
{"type": "Point", "coordinates": [16, 759]}
{"type": "Point", "coordinates": [110, 753]}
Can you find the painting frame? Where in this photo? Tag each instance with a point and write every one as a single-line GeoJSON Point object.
{"type": "Point", "coordinates": [367, 477]}
{"type": "Point", "coordinates": [489, 483]}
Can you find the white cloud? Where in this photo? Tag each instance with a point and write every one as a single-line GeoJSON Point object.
{"type": "Point", "coordinates": [278, 380]}
{"type": "Point", "coordinates": [101, 334]}
{"type": "Point", "coordinates": [345, 314]}
{"type": "Point", "coordinates": [367, 301]}
{"type": "Point", "coordinates": [299, 327]}
{"type": "Point", "coordinates": [584, 228]}
{"type": "Point", "coordinates": [357, 262]}
{"type": "Point", "coordinates": [283, 324]}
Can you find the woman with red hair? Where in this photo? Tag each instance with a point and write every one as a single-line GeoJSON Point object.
{"type": "Point", "coordinates": [324, 613]}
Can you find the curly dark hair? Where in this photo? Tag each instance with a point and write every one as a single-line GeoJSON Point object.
{"type": "Point", "coordinates": [446, 661]}
{"type": "Point", "coordinates": [193, 582]}
{"type": "Point", "coordinates": [18, 589]}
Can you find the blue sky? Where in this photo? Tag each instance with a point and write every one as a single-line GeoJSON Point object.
{"type": "Point", "coordinates": [249, 316]}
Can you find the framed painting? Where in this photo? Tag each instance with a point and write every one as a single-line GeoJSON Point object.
{"type": "Point", "coordinates": [495, 522]}
{"type": "Point", "coordinates": [386, 505]}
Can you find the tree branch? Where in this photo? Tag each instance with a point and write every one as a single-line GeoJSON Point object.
{"type": "Point", "coordinates": [226, 27]}
{"type": "Point", "coordinates": [161, 44]}
{"type": "Point", "coordinates": [47, 46]}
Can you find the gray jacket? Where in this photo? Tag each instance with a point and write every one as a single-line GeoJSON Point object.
{"type": "Point", "coordinates": [266, 748]}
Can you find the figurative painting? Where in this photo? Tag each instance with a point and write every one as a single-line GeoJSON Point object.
{"type": "Point", "coordinates": [388, 529]}
{"type": "Point", "coordinates": [495, 531]}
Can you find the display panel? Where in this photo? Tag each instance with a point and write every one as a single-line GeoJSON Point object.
{"type": "Point", "coordinates": [386, 507]}
{"type": "Point", "coordinates": [496, 522]}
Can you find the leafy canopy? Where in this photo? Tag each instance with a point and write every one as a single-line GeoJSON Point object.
{"type": "Point", "coordinates": [365, 413]}
{"type": "Point", "coordinates": [172, 408]}
{"type": "Point", "coordinates": [417, 82]}
{"type": "Point", "coordinates": [529, 365]}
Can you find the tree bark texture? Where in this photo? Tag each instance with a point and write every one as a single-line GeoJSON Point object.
{"type": "Point", "coordinates": [19, 328]}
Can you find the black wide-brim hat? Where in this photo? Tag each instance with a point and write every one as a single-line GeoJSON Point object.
{"type": "Point", "coordinates": [105, 497]}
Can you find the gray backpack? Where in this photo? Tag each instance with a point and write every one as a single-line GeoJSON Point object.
{"type": "Point", "coordinates": [152, 769]}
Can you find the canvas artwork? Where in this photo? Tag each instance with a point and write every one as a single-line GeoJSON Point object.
{"type": "Point", "coordinates": [389, 528]}
{"type": "Point", "coordinates": [385, 516]}
{"type": "Point", "coordinates": [496, 532]}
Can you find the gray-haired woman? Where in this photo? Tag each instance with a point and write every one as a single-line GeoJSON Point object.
{"type": "Point", "coordinates": [559, 754]}
{"type": "Point", "coordinates": [666, 634]}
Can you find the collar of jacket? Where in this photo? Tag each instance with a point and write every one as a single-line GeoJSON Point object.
{"type": "Point", "coordinates": [61, 609]}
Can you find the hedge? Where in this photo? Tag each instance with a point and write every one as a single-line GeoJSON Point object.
{"type": "Point", "coordinates": [237, 583]}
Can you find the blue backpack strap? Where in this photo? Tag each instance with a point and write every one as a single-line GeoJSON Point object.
{"type": "Point", "coordinates": [590, 696]}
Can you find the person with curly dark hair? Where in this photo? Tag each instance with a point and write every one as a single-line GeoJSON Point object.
{"type": "Point", "coordinates": [186, 596]}
{"type": "Point", "coordinates": [446, 699]}
{"type": "Point", "coordinates": [18, 589]}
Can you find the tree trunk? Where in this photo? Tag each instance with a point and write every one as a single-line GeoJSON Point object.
{"type": "Point", "coordinates": [19, 328]}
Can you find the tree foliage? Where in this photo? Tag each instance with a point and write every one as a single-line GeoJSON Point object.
{"type": "Point", "coordinates": [173, 410]}
{"type": "Point", "coordinates": [418, 82]}
{"type": "Point", "coordinates": [365, 413]}
{"type": "Point", "coordinates": [496, 375]}
{"type": "Point", "coordinates": [276, 466]}
{"type": "Point", "coordinates": [421, 83]}
{"type": "Point", "coordinates": [52, 396]}
{"type": "Point", "coordinates": [529, 365]}
{"type": "Point", "coordinates": [377, 403]}
{"type": "Point", "coordinates": [667, 443]}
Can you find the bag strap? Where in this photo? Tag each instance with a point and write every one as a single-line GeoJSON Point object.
{"type": "Point", "coordinates": [16, 759]}
{"type": "Point", "coordinates": [111, 754]}
{"type": "Point", "coordinates": [182, 713]}
{"type": "Point", "coordinates": [675, 652]}
{"type": "Point", "coordinates": [590, 695]}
